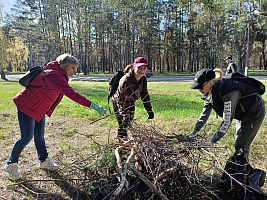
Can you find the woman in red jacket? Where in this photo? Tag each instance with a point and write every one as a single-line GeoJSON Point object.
{"type": "Point", "coordinates": [34, 102]}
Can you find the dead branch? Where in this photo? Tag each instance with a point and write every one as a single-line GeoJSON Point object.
{"type": "Point", "coordinates": [165, 174]}
{"type": "Point", "coordinates": [158, 192]}
{"type": "Point", "coordinates": [36, 193]}
{"type": "Point", "coordinates": [122, 170]}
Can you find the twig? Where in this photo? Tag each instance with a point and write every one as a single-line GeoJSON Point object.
{"type": "Point", "coordinates": [46, 180]}
{"type": "Point", "coordinates": [122, 170]}
{"type": "Point", "coordinates": [148, 183]}
{"type": "Point", "coordinates": [165, 174]}
{"type": "Point", "coordinates": [36, 193]}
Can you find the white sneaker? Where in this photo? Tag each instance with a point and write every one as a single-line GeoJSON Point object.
{"type": "Point", "coordinates": [48, 164]}
{"type": "Point", "coordinates": [12, 172]}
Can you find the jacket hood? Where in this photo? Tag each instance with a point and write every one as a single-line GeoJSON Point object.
{"type": "Point", "coordinates": [54, 65]}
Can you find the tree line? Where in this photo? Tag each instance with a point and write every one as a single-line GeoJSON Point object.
{"type": "Point", "coordinates": [106, 35]}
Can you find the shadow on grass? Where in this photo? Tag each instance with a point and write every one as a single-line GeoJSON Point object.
{"type": "Point", "coordinates": [33, 191]}
{"type": "Point", "coordinates": [67, 187]}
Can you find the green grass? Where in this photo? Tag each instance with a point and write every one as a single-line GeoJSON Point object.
{"type": "Point", "coordinates": [170, 100]}
{"type": "Point", "coordinates": [176, 109]}
{"type": "Point", "coordinates": [8, 91]}
{"type": "Point", "coordinates": [174, 105]}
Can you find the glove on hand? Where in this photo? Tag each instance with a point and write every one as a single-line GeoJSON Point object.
{"type": "Point", "coordinates": [206, 144]}
{"type": "Point", "coordinates": [150, 115]}
{"type": "Point", "coordinates": [101, 111]}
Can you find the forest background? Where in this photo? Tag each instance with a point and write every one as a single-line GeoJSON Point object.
{"type": "Point", "coordinates": [106, 35]}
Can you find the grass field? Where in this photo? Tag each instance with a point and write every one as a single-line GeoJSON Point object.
{"type": "Point", "coordinates": [176, 109]}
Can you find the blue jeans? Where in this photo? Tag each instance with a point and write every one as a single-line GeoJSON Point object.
{"type": "Point", "coordinates": [29, 127]}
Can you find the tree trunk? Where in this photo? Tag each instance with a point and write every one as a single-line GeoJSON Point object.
{"type": "Point", "coordinates": [210, 44]}
{"type": "Point", "coordinates": [264, 61]}
{"type": "Point", "coordinates": [3, 76]}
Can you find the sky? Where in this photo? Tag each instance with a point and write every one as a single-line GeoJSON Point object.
{"type": "Point", "coordinates": [7, 5]}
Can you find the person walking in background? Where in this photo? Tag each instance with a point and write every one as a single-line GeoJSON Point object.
{"type": "Point", "coordinates": [132, 86]}
{"type": "Point", "coordinates": [231, 69]}
{"type": "Point", "coordinates": [34, 102]}
{"type": "Point", "coordinates": [231, 65]}
{"type": "Point", "coordinates": [230, 99]}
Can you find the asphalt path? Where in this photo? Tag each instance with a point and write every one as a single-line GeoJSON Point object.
{"type": "Point", "coordinates": [106, 78]}
{"type": "Point", "coordinates": [152, 78]}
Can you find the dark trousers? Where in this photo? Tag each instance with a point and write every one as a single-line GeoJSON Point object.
{"type": "Point", "coordinates": [250, 125]}
{"type": "Point", "coordinates": [124, 120]}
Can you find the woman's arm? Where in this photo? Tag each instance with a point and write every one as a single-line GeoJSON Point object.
{"type": "Point", "coordinates": [230, 101]}
{"type": "Point", "coordinates": [204, 116]}
{"type": "Point", "coordinates": [59, 82]}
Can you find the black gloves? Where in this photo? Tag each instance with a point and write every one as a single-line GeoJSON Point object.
{"type": "Point", "coordinates": [150, 115]}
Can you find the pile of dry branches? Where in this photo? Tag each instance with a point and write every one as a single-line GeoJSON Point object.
{"type": "Point", "coordinates": [152, 164]}
{"type": "Point", "coordinates": [167, 167]}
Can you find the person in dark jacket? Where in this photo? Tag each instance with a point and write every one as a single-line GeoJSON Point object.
{"type": "Point", "coordinates": [132, 86]}
{"type": "Point", "coordinates": [231, 65]}
{"type": "Point", "coordinates": [33, 103]}
{"type": "Point", "coordinates": [230, 99]}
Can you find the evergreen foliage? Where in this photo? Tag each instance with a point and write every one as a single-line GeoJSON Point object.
{"type": "Point", "coordinates": [107, 35]}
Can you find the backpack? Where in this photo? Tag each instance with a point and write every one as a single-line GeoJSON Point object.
{"type": "Point", "coordinates": [114, 84]}
{"type": "Point", "coordinates": [248, 80]}
{"type": "Point", "coordinates": [28, 77]}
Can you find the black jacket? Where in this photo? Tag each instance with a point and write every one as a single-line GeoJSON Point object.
{"type": "Point", "coordinates": [230, 100]}
{"type": "Point", "coordinates": [226, 87]}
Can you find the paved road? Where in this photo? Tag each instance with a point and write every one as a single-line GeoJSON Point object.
{"type": "Point", "coordinates": [106, 78]}
{"type": "Point", "coordinates": [153, 78]}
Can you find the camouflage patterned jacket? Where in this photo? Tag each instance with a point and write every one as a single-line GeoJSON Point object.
{"type": "Point", "coordinates": [129, 91]}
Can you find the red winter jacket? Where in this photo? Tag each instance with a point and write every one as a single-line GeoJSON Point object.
{"type": "Point", "coordinates": [36, 102]}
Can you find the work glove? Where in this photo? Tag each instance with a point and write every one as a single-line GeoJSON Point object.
{"type": "Point", "coordinates": [206, 144]}
{"type": "Point", "coordinates": [101, 110]}
{"type": "Point", "coordinates": [150, 115]}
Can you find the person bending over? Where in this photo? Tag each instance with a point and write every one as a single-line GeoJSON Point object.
{"type": "Point", "coordinates": [230, 99]}
{"type": "Point", "coordinates": [34, 102]}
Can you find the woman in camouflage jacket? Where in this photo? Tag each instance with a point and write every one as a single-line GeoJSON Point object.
{"type": "Point", "coordinates": [132, 86]}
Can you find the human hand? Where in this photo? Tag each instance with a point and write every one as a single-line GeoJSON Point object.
{"type": "Point", "coordinates": [100, 109]}
{"type": "Point", "coordinates": [150, 115]}
{"type": "Point", "coordinates": [206, 144]}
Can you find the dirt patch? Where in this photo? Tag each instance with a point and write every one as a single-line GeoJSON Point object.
{"type": "Point", "coordinates": [69, 142]}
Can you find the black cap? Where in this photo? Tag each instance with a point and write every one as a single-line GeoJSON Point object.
{"type": "Point", "coordinates": [201, 77]}
{"type": "Point", "coordinates": [229, 57]}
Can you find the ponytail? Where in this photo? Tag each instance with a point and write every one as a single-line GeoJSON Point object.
{"type": "Point", "coordinates": [127, 68]}
{"type": "Point", "coordinates": [218, 74]}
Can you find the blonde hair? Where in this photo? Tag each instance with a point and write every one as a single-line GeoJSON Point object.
{"type": "Point", "coordinates": [66, 59]}
{"type": "Point", "coordinates": [128, 67]}
{"type": "Point", "coordinates": [218, 74]}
